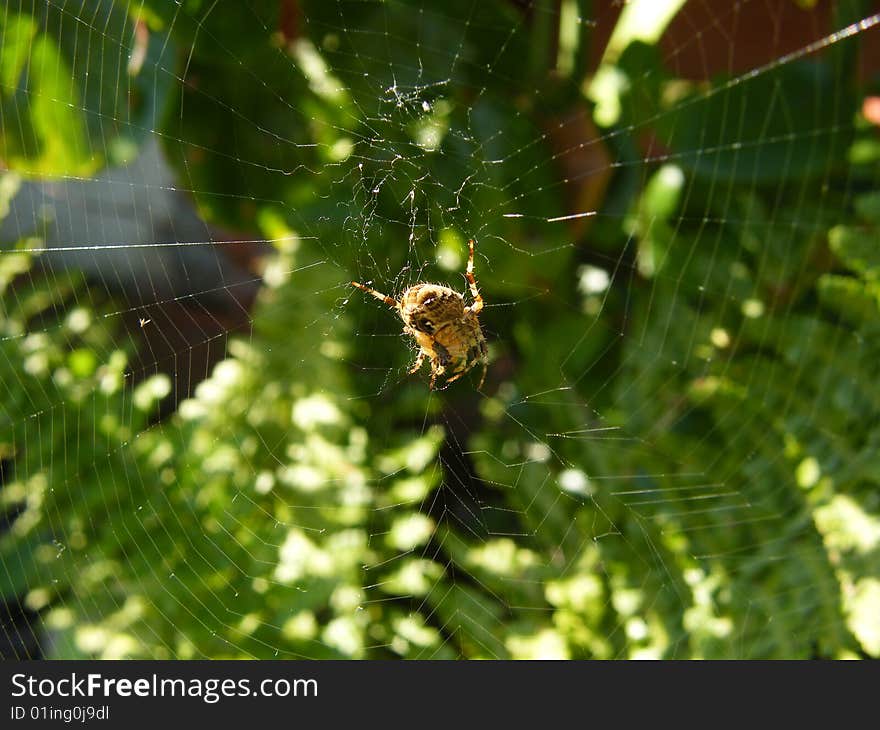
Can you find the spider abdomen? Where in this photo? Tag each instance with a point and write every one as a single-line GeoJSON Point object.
{"type": "Point", "coordinates": [430, 307]}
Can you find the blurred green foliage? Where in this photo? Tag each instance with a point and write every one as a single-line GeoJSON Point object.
{"type": "Point", "coordinates": [677, 451]}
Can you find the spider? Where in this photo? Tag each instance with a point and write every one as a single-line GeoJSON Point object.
{"type": "Point", "coordinates": [445, 329]}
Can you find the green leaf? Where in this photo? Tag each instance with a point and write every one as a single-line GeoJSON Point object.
{"type": "Point", "coordinates": [16, 35]}
{"type": "Point", "coordinates": [77, 98]}
{"type": "Point", "coordinates": [868, 207]}
{"type": "Point", "coordinates": [82, 362]}
{"type": "Point", "coordinates": [782, 124]}
{"type": "Point", "coordinates": [54, 136]}
{"type": "Point", "coordinates": [857, 248]}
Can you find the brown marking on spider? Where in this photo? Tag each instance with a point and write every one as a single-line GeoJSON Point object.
{"type": "Point", "coordinates": [446, 330]}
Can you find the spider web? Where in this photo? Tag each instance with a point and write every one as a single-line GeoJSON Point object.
{"type": "Point", "coordinates": [211, 445]}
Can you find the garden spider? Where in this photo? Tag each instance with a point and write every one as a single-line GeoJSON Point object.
{"type": "Point", "coordinates": [446, 330]}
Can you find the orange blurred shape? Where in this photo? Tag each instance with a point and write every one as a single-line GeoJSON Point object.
{"type": "Point", "coordinates": [871, 109]}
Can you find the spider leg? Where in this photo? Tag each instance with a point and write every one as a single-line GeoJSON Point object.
{"type": "Point", "coordinates": [379, 295]}
{"type": "Point", "coordinates": [463, 371]}
{"type": "Point", "coordinates": [469, 273]}
{"type": "Point", "coordinates": [484, 361]}
{"type": "Point", "coordinates": [417, 364]}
